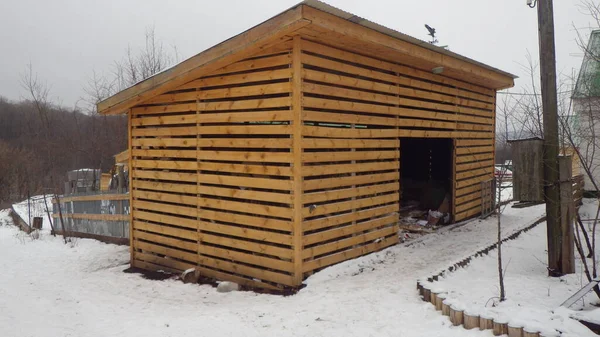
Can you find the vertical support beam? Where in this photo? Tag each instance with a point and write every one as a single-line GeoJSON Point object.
{"type": "Point", "coordinates": [130, 168]}
{"type": "Point", "coordinates": [567, 215]}
{"type": "Point", "coordinates": [453, 183]}
{"type": "Point", "coordinates": [550, 115]}
{"type": "Point", "coordinates": [200, 204]}
{"type": "Point", "coordinates": [297, 157]}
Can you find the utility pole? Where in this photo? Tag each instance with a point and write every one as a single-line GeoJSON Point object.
{"type": "Point", "coordinates": [557, 257]}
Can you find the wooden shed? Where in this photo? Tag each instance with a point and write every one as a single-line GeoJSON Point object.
{"type": "Point", "coordinates": [284, 149]}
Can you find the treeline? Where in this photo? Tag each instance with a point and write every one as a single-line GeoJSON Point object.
{"type": "Point", "coordinates": [39, 144]}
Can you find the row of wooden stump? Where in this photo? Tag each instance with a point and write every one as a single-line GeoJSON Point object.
{"type": "Point", "coordinates": [470, 320]}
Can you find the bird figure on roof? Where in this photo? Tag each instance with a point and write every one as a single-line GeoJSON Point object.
{"type": "Point", "coordinates": [431, 33]}
{"type": "Point", "coordinates": [431, 30]}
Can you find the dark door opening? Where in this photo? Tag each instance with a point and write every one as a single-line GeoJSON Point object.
{"type": "Point", "coordinates": [425, 175]}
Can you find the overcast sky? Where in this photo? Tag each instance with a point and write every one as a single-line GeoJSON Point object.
{"type": "Point", "coordinates": [66, 40]}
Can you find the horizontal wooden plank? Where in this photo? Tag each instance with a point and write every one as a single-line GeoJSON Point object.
{"type": "Point", "coordinates": [472, 158]}
{"type": "Point", "coordinates": [150, 261]}
{"type": "Point", "coordinates": [374, 84]}
{"type": "Point", "coordinates": [474, 172]}
{"type": "Point", "coordinates": [246, 168]}
{"type": "Point", "coordinates": [444, 84]}
{"type": "Point", "coordinates": [165, 164]}
{"type": "Point", "coordinates": [321, 169]}
{"type": "Point", "coordinates": [257, 247]}
{"type": "Point", "coordinates": [187, 234]}
{"type": "Point", "coordinates": [468, 205]}
{"type": "Point", "coordinates": [157, 263]}
{"type": "Point", "coordinates": [343, 206]}
{"type": "Point", "coordinates": [346, 93]}
{"type": "Point", "coordinates": [319, 143]}
{"type": "Point", "coordinates": [474, 165]}
{"type": "Point", "coordinates": [214, 263]}
{"type": "Point", "coordinates": [337, 220]}
{"type": "Point", "coordinates": [247, 233]}
{"type": "Point", "coordinates": [219, 117]}
{"type": "Point", "coordinates": [165, 153]}
{"type": "Point", "coordinates": [329, 195]}
{"type": "Point", "coordinates": [468, 197]}
{"type": "Point", "coordinates": [249, 258]}
{"type": "Point", "coordinates": [382, 154]}
{"type": "Point", "coordinates": [349, 181]}
{"type": "Point", "coordinates": [167, 187]}
{"type": "Point", "coordinates": [247, 207]}
{"type": "Point", "coordinates": [474, 149]}
{"type": "Point", "coordinates": [165, 240]}
{"type": "Point", "coordinates": [357, 239]}
{"type": "Point", "coordinates": [258, 76]}
{"type": "Point", "coordinates": [349, 254]}
{"type": "Point", "coordinates": [275, 184]}
{"type": "Point", "coordinates": [161, 175]}
{"type": "Point", "coordinates": [161, 109]}
{"type": "Point", "coordinates": [256, 90]}
{"type": "Point", "coordinates": [164, 197]}
{"type": "Point", "coordinates": [359, 227]}
{"type": "Point", "coordinates": [468, 214]}
{"type": "Point", "coordinates": [345, 118]}
{"type": "Point", "coordinates": [164, 131]}
{"type": "Point", "coordinates": [166, 208]}
{"type": "Point", "coordinates": [365, 107]}
{"type": "Point", "coordinates": [165, 142]}
{"type": "Point", "coordinates": [468, 189]}
{"type": "Point", "coordinates": [165, 219]}
{"type": "Point", "coordinates": [474, 142]}
{"type": "Point", "coordinates": [256, 64]}
{"type": "Point", "coordinates": [333, 132]}
{"type": "Point", "coordinates": [246, 155]}
{"type": "Point", "coordinates": [475, 180]}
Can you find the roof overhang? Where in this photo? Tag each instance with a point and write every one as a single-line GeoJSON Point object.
{"type": "Point", "coordinates": [319, 21]}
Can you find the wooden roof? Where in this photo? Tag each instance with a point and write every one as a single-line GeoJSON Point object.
{"type": "Point", "coordinates": [319, 21]}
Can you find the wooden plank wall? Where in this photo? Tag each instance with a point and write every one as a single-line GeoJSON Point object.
{"type": "Point", "coordinates": [212, 175]}
{"type": "Point", "coordinates": [378, 102]}
{"type": "Point", "coordinates": [351, 163]}
{"type": "Point", "coordinates": [219, 171]}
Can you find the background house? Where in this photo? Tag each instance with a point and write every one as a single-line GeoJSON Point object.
{"type": "Point", "coordinates": [585, 121]}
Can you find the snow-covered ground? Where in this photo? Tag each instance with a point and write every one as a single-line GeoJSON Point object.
{"type": "Point", "coordinates": [51, 289]}
{"type": "Point", "coordinates": [37, 208]}
{"type": "Point", "coordinates": [532, 297]}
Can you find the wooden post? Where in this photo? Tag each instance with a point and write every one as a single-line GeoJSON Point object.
{"type": "Point", "coordinates": [515, 331]}
{"type": "Point", "coordinates": [500, 327]}
{"type": "Point", "coordinates": [445, 308]}
{"type": "Point", "coordinates": [530, 333]}
{"type": "Point", "coordinates": [439, 301]}
{"type": "Point", "coordinates": [551, 150]}
{"type": "Point", "coordinates": [485, 322]}
{"type": "Point", "coordinates": [471, 320]}
{"type": "Point", "coordinates": [456, 315]}
{"type": "Point", "coordinates": [130, 164]}
{"type": "Point", "coordinates": [567, 215]}
{"type": "Point", "coordinates": [297, 157]}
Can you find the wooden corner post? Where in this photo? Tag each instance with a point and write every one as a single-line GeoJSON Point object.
{"type": "Point", "coordinates": [297, 158]}
{"type": "Point", "coordinates": [130, 177]}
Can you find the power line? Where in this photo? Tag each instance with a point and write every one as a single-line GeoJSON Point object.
{"type": "Point", "coordinates": [527, 94]}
